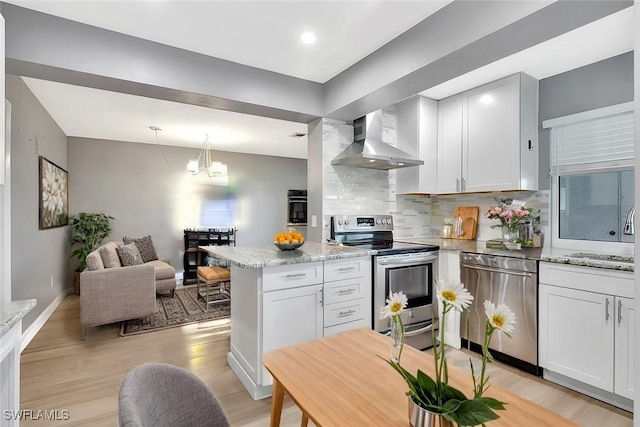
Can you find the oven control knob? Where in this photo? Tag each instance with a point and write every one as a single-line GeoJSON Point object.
{"type": "Point", "coordinates": [346, 222]}
{"type": "Point", "coordinates": [339, 222]}
{"type": "Point", "coordinates": [378, 221]}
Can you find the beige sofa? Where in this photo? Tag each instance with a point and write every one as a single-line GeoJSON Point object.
{"type": "Point", "coordinates": [111, 293]}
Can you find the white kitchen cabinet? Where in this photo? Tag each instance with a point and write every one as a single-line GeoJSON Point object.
{"type": "Point", "coordinates": [291, 316]}
{"type": "Point", "coordinates": [347, 294]}
{"type": "Point", "coordinates": [279, 306]}
{"type": "Point", "coordinates": [417, 134]}
{"type": "Point", "coordinates": [450, 144]}
{"type": "Point", "coordinates": [488, 137]}
{"type": "Point", "coordinates": [624, 337]}
{"type": "Point", "coordinates": [576, 335]}
{"type": "Point", "coordinates": [586, 330]}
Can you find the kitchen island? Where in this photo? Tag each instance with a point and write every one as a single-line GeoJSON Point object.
{"type": "Point", "coordinates": [281, 298]}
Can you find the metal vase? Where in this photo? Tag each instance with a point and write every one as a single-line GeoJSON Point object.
{"type": "Point", "coordinates": [420, 417]}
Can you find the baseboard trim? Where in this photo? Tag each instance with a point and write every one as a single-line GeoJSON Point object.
{"type": "Point", "coordinates": [37, 324]}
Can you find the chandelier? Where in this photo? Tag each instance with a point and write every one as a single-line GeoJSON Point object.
{"type": "Point", "coordinates": [204, 162]}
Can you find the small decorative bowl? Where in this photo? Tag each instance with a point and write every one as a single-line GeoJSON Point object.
{"type": "Point", "coordinates": [288, 247]}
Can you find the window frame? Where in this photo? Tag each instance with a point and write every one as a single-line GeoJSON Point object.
{"type": "Point", "coordinates": [618, 248]}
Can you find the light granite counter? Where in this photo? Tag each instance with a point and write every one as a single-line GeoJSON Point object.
{"type": "Point", "coordinates": [270, 256]}
{"type": "Point", "coordinates": [588, 259]}
{"type": "Point", "coordinates": [473, 246]}
{"type": "Point", "coordinates": [549, 254]}
{"type": "Point", "coordinates": [13, 312]}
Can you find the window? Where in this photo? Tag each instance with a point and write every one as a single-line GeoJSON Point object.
{"type": "Point", "coordinates": [592, 177]}
{"type": "Point", "coordinates": [594, 206]}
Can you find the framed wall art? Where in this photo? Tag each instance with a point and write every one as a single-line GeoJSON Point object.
{"type": "Point", "coordinates": [54, 195]}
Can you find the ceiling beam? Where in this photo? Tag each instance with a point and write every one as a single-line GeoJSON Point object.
{"type": "Point", "coordinates": [457, 39]}
{"type": "Point", "coordinates": [448, 45]}
{"type": "Point", "coordinates": [51, 48]}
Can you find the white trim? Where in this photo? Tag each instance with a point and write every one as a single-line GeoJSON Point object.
{"type": "Point", "coordinates": [588, 115]}
{"type": "Point", "coordinates": [618, 248]}
{"type": "Point", "coordinates": [37, 324]}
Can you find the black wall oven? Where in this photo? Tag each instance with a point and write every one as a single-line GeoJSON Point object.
{"type": "Point", "coordinates": [297, 207]}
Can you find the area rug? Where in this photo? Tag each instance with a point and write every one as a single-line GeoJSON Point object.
{"type": "Point", "coordinates": [184, 308]}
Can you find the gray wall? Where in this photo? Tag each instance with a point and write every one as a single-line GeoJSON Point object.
{"type": "Point", "coordinates": [37, 256]}
{"type": "Point", "coordinates": [148, 191]}
{"type": "Point", "coordinates": [596, 85]}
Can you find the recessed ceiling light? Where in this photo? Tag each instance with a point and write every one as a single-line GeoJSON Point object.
{"type": "Point", "coordinates": [308, 37]}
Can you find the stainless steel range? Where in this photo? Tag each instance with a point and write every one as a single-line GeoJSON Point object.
{"type": "Point", "coordinates": [407, 267]}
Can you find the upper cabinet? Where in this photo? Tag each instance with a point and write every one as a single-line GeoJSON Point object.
{"type": "Point", "coordinates": [417, 134]}
{"type": "Point", "coordinates": [488, 137]}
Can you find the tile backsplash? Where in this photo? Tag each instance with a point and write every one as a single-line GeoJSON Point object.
{"type": "Point", "coordinates": [352, 190]}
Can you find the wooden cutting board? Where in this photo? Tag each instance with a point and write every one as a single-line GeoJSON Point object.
{"type": "Point", "coordinates": [469, 215]}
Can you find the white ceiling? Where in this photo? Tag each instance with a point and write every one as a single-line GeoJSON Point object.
{"type": "Point", "coordinates": [265, 34]}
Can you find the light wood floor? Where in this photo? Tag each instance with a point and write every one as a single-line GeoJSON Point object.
{"type": "Point", "coordinates": [59, 371]}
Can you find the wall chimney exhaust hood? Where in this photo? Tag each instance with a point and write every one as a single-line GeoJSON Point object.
{"type": "Point", "coordinates": [368, 150]}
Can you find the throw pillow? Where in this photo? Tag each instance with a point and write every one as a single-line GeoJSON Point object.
{"type": "Point", "coordinates": [109, 255]}
{"type": "Point", "coordinates": [145, 247]}
{"type": "Point", "coordinates": [129, 255]}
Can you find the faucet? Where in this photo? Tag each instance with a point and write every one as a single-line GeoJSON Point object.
{"type": "Point", "coordinates": [628, 224]}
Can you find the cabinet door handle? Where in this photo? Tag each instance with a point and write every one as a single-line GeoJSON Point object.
{"type": "Point", "coordinates": [530, 145]}
{"type": "Point", "coordinates": [345, 269]}
{"type": "Point", "coordinates": [619, 312]}
{"type": "Point", "coordinates": [319, 298]}
{"type": "Point", "coordinates": [346, 313]}
{"type": "Point", "coordinates": [457, 185]}
{"type": "Point", "coordinates": [464, 185]}
{"type": "Point", "coordinates": [295, 276]}
{"type": "Point", "coordinates": [606, 310]}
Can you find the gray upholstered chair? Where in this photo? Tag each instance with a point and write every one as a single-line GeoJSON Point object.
{"type": "Point", "coordinates": [159, 395]}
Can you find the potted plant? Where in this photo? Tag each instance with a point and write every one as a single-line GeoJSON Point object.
{"type": "Point", "coordinates": [88, 230]}
{"type": "Point", "coordinates": [432, 401]}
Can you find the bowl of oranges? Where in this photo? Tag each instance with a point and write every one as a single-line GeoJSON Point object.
{"type": "Point", "coordinates": [288, 240]}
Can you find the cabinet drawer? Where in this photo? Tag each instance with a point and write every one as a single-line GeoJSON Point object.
{"type": "Point", "coordinates": [345, 290]}
{"type": "Point", "coordinates": [345, 268]}
{"type": "Point", "coordinates": [343, 327]}
{"type": "Point", "coordinates": [336, 314]}
{"type": "Point", "coordinates": [291, 276]}
{"type": "Point", "coordinates": [600, 280]}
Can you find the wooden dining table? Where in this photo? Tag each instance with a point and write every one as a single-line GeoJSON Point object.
{"type": "Point", "coordinates": [344, 380]}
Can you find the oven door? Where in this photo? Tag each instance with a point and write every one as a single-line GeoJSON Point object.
{"type": "Point", "coordinates": [413, 274]}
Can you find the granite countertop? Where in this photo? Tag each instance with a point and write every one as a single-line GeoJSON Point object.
{"type": "Point", "coordinates": [549, 254]}
{"type": "Point", "coordinates": [588, 259]}
{"type": "Point", "coordinates": [11, 313]}
{"type": "Point", "coordinates": [473, 246]}
{"type": "Point", "coordinates": [269, 256]}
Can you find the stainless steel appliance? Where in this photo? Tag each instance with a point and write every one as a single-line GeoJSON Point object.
{"type": "Point", "coordinates": [297, 207]}
{"type": "Point", "coordinates": [407, 267]}
{"type": "Point", "coordinates": [514, 282]}
{"type": "Point", "coordinates": [369, 151]}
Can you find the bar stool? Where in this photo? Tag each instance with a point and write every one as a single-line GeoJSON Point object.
{"type": "Point", "coordinates": [214, 284]}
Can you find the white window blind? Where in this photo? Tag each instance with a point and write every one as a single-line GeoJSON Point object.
{"type": "Point", "coordinates": [596, 144]}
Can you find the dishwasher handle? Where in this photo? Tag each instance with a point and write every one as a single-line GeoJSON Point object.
{"type": "Point", "coordinates": [497, 270]}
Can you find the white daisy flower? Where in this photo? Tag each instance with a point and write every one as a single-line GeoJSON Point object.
{"type": "Point", "coordinates": [500, 317]}
{"type": "Point", "coordinates": [455, 294]}
{"type": "Point", "coordinates": [396, 303]}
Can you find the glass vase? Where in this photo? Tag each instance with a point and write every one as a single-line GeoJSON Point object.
{"type": "Point", "coordinates": [396, 340]}
{"type": "Point", "coordinates": [509, 234]}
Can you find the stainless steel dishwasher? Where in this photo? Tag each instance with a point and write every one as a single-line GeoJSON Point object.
{"type": "Point", "coordinates": [514, 282]}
